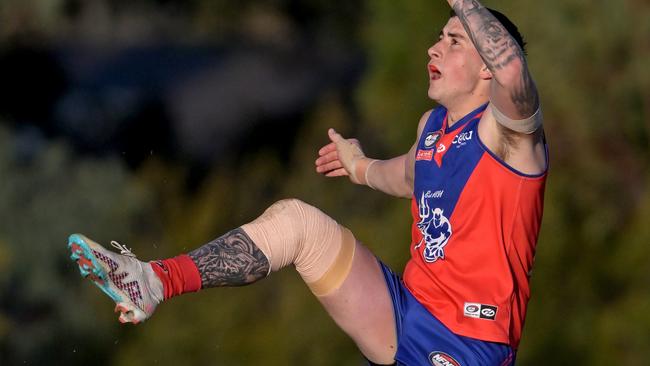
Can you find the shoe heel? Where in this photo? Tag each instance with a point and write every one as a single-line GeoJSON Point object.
{"type": "Point", "coordinates": [129, 313]}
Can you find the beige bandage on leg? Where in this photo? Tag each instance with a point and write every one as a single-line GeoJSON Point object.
{"type": "Point", "coordinates": [293, 232]}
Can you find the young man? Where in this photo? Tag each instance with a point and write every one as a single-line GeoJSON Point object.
{"type": "Point", "coordinates": [476, 175]}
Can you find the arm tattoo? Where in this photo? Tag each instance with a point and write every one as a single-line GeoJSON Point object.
{"type": "Point", "coordinates": [230, 260]}
{"type": "Point", "coordinates": [498, 50]}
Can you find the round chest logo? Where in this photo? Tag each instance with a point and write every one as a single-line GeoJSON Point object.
{"type": "Point", "coordinates": [432, 138]}
{"type": "Point", "coordinates": [438, 358]}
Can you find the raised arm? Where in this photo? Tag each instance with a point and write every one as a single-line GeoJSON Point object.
{"type": "Point", "coordinates": [513, 91]}
{"type": "Point", "coordinates": [344, 157]}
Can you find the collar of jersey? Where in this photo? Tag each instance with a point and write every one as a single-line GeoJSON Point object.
{"type": "Point", "coordinates": [463, 121]}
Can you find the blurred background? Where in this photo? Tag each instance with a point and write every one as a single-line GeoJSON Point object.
{"type": "Point", "coordinates": [164, 123]}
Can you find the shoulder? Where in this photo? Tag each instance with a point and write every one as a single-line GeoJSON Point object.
{"type": "Point", "coordinates": [423, 120]}
{"type": "Point", "coordinates": [431, 113]}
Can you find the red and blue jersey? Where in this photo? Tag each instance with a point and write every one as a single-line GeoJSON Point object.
{"type": "Point", "coordinates": [475, 227]}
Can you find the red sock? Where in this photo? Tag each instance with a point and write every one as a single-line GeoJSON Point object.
{"type": "Point", "coordinates": [179, 275]}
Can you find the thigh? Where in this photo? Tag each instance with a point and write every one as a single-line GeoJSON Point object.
{"type": "Point", "coordinates": [363, 308]}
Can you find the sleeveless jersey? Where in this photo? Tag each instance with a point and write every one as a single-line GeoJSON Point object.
{"type": "Point", "coordinates": [475, 227]}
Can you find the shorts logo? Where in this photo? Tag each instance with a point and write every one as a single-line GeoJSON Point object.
{"type": "Point", "coordinates": [480, 311]}
{"type": "Point", "coordinates": [432, 138]}
{"type": "Point", "coordinates": [438, 358]}
{"type": "Point", "coordinates": [435, 229]}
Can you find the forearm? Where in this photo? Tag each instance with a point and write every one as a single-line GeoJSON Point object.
{"type": "Point", "coordinates": [502, 55]}
{"type": "Point", "coordinates": [389, 176]}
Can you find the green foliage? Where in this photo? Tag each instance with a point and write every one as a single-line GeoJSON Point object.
{"type": "Point", "coordinates": [394, 94]}
{"type": "Point", "coordinates": [44, 313]}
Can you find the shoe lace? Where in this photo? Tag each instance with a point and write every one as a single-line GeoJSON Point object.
{"type": "Point", "coordinates": [124, 250]}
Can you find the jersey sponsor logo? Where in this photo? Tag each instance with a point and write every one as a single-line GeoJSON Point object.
{"type": "Point", "coordinates": [441, 148]}
{"type": "Point", "coordinates": [436, 194]}
{"type": "Point", "coordinates": [432, 138]}
{"type": "Point", "coordinates": [480, 311]}
{"type": "Point", "coordinates": [472, 309]}
{"type": "Point", "coordinates": [438, 358]}
{"type": "Point", "coordinates": [424, 155]}
{"type": "Point", "coordinates": [435, 229]}
{"type": "Point", "coordinates": [461, 139]}
{"type": "Point", "coordinates": [488, 312]}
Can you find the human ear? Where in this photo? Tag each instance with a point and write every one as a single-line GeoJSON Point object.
{"type": "Point", "coordinates": [485, 73]}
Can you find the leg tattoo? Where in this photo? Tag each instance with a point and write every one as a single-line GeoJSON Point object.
{"type": "Point", "coordinates": [230, 260]}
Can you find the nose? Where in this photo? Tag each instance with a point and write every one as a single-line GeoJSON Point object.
{"type": "Point", "coordinates": [434, 51]}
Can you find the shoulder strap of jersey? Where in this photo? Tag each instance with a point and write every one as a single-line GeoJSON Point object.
{"type": "Point", "coordinates": [435, 120]}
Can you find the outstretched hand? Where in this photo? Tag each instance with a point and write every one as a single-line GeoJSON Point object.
{"type": "Point", "coordinates": [341, 157]}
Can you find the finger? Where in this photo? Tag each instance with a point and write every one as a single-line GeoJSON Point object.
{"type": "Point", "coordinates": [327, 148]}
{"type": "Point", "coordinates": [334, 136]}
{"type": "Point", "coordinates": [329, 167]}
{"type": "Point", "coordinates": [334, 155]}
{"type": "Point", "coordinates": [337, 173]}
{"type": "Point", "coordinates": [323, 163]}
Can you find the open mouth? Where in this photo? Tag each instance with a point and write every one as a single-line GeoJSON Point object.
{"type": "Point", "coordinates": [434, 72]}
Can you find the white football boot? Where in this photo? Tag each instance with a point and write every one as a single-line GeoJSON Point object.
{"type": "Point", "coordinates": [132, 284]}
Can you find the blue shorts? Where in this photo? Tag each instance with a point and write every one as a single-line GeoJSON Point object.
{"type": "Point", "coordinates": [423, 340]}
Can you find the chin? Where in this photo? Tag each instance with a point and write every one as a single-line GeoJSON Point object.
{"type": "Point", "coordinates": [433, 96]}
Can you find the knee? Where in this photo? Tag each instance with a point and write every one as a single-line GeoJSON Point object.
{"type": "Point", "coordinates": [288, 205]}
{"type": "Point", "coordinates": [299, 213]}
{"type": "Point", "coordinates": [292, 231]}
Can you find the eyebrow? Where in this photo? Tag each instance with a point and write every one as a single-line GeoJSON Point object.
{"type": "Point", "coordinates": [452, 35]}
{"type": "Point", "coordinates": [456, 35]}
